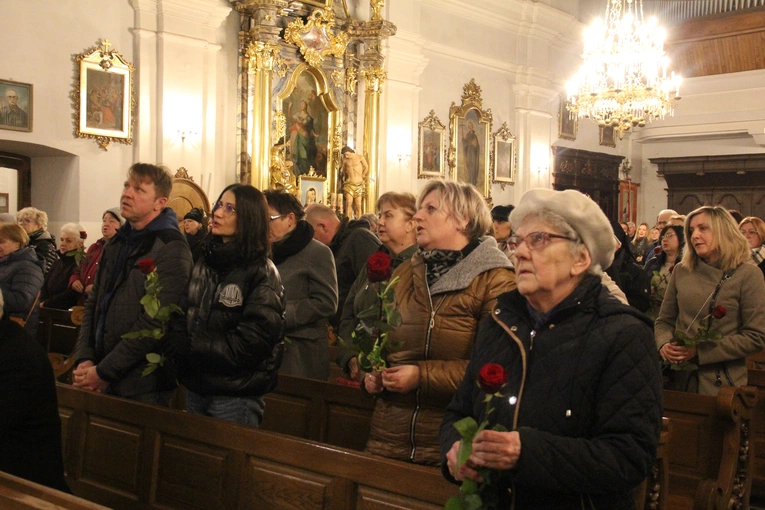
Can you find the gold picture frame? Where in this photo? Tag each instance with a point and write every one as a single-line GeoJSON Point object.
{"type": "Point", "coordinates": [16, 108]}
{"type": "Point", "coordinates": [607, 136]}
{"type": "Point", "coordinates": [503, 156]}
{"type": "Point", "coordinates": [316, 38]}
{"type": "Point", "coordinates": [431, 147]}
{"type": "Point", "coordinates": [103, 96]}
{"type": "Point", "coordinates": [317, 185]}
{"type": "Point", "coordinates": [568, 122]}
{"type": "Point", "coordinates": [469, 154]}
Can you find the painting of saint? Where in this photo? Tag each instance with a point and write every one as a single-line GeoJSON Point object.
{"type": "Point", "coordinates": [504, 155]}
{"type": "Point", "coordinates": [307, 127]}
{"type": "Point", "coordinates": [431, 151]}
{"type": "Point", "coordinates": [106, 97]}
{"type": "Point", "coordinates": [471, 158]}
{"type": "Point", "coordinates": [15, 106]}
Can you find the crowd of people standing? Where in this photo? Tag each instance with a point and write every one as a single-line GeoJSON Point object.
{"type": "Point", "coordinates": [581, 314]}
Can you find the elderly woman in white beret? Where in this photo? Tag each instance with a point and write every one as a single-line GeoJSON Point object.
{"type": "Point", "coordinates": [580, 395]}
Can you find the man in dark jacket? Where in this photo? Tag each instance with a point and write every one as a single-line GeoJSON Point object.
{"type": "Point", "coordinates": [196, 232]}
{"type": "Point", "coordinates": [106, 361]}
{"type": "Point", "coordinates": [351, 242]}
{"type": "Point", "coordinates": [30, 426]}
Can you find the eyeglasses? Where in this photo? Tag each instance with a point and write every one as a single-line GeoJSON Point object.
{"type": "Point", "coordinates": [277, 216]}
{"type": "Point", "coordinates": [668, 235]}
{"type": "Point", "coordinates": [228, 209]}
{"type": "Point", "coordinates": [749, 232]}
{"type": "Point", "coordinates": [25, 221]}
{"type": "Point", "coordinates": [536, 240]}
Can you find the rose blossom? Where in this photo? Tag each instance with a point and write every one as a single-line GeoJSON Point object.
{"type": "Point", "coordinates": [719, 312]}
{"type": "Point", "coordinates": [378, 267]}
{"type": "Point", "coordinates": [491, 378]}
{"type": "Point", "coordinates": [145, 266]}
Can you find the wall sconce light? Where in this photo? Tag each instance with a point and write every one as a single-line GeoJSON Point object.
{"type": "Point", "coordinates": [403, 158]}
{"type": "Point", "coordinates": [183, 134]}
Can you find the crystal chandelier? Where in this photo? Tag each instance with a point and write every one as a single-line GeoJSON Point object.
{"type": "Point", "coordinates": [623, 81]}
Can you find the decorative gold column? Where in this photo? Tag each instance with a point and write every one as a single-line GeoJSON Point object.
{"type": "Point", "coordinates": [374, 78]}
{"type": "Point", "coordinates": [262, 60]}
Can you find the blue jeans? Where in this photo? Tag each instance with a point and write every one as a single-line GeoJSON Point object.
{"type": "Point", "coordinates": [244, 410]}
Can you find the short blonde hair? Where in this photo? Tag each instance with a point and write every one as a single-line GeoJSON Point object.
{"type": "Point", "coordinates": [758, 225]}
{"type": "Point", "coordinates": [404, 201]}
{"type": "Point", "coordinates": [14, 233]}
{"type": "Point", "coordinates": [464, 204]}
{"type": "Point", "coordinates": [728, 241]}
{"type": "Point", "coordinates": [36, 215]}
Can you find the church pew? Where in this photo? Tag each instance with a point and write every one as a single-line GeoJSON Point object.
{"type": "Point", "coordinates": [321, 411]}
{"type": "Point", "coordinates": [757, 379]}
{"type": "Point", "coordinates": [129, 455]}
{"type": "Point", "coordinates": [19, 494]}
{"type": "Point", "coordinates": [710, 451]}
{"type": "Point", "coordinates": [652, 494]}
{"type": "Point", "coordinates": [57, 333]}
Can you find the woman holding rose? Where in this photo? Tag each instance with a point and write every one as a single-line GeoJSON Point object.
{"type": "Point", "coordinates": [579, 390]}
{"type": "Point", "coordinates": [396, 230]}
{"type": "Point", "coordinates": [443, 292]}
{"type": "Point", "coordinates": [660, 267]}
{"type": "Point", "coordinates": [714, 271]}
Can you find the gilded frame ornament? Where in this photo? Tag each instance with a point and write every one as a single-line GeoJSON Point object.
{"type": "Point", "coordinates": [471, 148]}
{"type": "Point", "coordinates": [103, 97]}
{"type": "Point", "coordinates": [503, 156]}
{"type": "Point", "coordinates": [21, 114]}
{"type": "Point", "coordinates": [316, 183]}
{"type": "Point", "coordinates": [568, 122]}
{"type": "Point", "coordinates": [309, 85]}
{"type": "Point", "coordinates": [315, 39]}
{"type": "Point", "coordinates": [431, 147]}
{"type": "Point", "coordinates": [607, 136]}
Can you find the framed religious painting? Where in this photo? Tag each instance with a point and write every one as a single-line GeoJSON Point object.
{"type": "Point", "coordinates": [310, 114]}
{"type": "Point", "coordinates": [470, 130]}
{"type": "Point", "coordinates": [15, 106]}
{"type": "Point", "coordinates": [103, 97]}
{"type": "Point", "coordinates": [607, 136]}
{"type": "Point", "coordinates": [4, 203]}
{"type": "Point", "coordinates": [431, 147]}
{"type": "Point", "coordinates": [313, 190]}
{"type": "Point", "coordinates": [503, 156]}
{"type": "Point", "coordinates": [567, 121]}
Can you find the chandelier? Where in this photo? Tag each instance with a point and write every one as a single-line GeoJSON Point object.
{"type": "Point", "coordinates": [623, 81]}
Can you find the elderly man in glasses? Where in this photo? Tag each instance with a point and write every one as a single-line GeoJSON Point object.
{"type": "Point", "coordinates": [149, 239]}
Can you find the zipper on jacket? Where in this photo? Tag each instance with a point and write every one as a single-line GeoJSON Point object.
{"type": "Point", "coordinates": [532, 335]}
{"type": "Point", "coordinates": [431, 325]}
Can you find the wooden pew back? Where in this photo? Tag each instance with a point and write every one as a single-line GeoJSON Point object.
{"type": "Point", "coordinates": [757, 379]}
{"type": "Point", "coordinates": [19, 494]}
{"type": "Point", "coordinates": [128, 455]}
{"type": "Point", "coordinates": [710, 451]}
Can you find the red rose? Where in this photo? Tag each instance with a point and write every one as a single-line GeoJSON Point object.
{"type": "Point", "coordinates": [378, 267]}
{"type": "Point", "coordinates": [672, 268]}
{"type": "Point", "coordinates": [491, 378]}
{"type": "Point", "coordinates": [145, 266]}
{"type": "Point", "coordinates": [657, 250]}
{"type": "Point", "coordinates": [83, 235]}
{"type": "Point", "coordinates": [719, 312]}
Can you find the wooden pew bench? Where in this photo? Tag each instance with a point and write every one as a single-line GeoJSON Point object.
{"type": "Point", "coordinates": [757, 379]}
{"type": "Point", "coordinates": [709, 452]}
{"type": "Point", "coordinates": [129, 455]}
{"type": "Point", "coordinates": [321, 411]}
{"type": "Point", "coordinates": [19, 494]}
{"type": "Point", "coordinates": [57, 333]}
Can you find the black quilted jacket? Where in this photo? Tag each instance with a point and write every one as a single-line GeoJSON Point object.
{"type": "Point", "coordinates": [589, 400]}
{"type": "Point", "coordinates": [235, 325]}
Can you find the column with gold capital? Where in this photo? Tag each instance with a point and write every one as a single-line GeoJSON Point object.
{"type": "Point", "coordinates": [374, 78]}
{"type": "Point", "coordinates": [262, 60]}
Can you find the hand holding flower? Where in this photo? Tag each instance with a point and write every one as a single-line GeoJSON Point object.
{"type": "Point", "coordinates": [401, 379]}
{"type": "Point", "coordinates": [496, 450]}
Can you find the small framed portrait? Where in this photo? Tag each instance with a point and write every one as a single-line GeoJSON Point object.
{"type": "Point", "coordinates": [313, 190]}
{"type": "Point", "coordinates": [4, 203]}
{"type": "Point", "coordinates": [431, 145]}
{"type": "Point", "coordinates": [503, 156]}
{"type": "Point", "coordinates": [470, 130]}
{"type": "Point", "coordinates": [103, 97]}
{"type": "Point", "coordinates": [15, 106]}
{"type": "Point", "coordinates": [607, 136]}
{"type": "Point", "coordinates": [567, 121]}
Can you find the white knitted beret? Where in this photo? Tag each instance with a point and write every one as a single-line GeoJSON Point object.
{"type": "Point", "coordinates": [582, 213]}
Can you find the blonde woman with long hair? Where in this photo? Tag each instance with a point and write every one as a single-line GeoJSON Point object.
{"type": "Point", "coordinates": [712, 290]}
{"type": "Point", "coordinates": [753, 229]}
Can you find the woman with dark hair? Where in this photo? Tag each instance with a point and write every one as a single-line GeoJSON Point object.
{"type": "Point", "coordinates": [659, 268]}
{"type": "Point", "coordinates": [627, 274]}
{"type": "Point", "coordinates": [231, 350]}
{"type": "Point", "coordinates": [84, 276]}
{"type": "Point", "coordinates": [713, 288]}
{"type": "Point", "coordinates": [307, 270]}
{"type": "Point", "coordinates": [21, 276]}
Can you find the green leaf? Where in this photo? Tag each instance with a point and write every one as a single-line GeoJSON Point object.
{"type": "Point", "coordinates": [394, 318]}
{"type": "Point", "coordinates": [368, 313]}
{"type": "Point", "coordinates": [464, 451]}
{"type": "Point", "coordinates": [384, 328]}
{"type": "Point", "coordinates": [153, 357]}
{"type": "Point", "coordinates": [469, 487]}
{"type": "Point", "coordinates": [144, 333]}
{"type": "Point", "coordinates": [151, 367]}
{"type": "Point", "coordinates": [454, 503]}
{"type": "Point", "coordinates": [467, 427]}
{"type": "Point", "coordinates": [499, 428]}
{"type": "Point", "coordinates": [150, 305]}
{"type": "Point", "coordinates": [177, 309]}
{"type": "Point", "coordinates": [473, 502]}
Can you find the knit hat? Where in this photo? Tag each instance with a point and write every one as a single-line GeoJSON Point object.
{"type": "Point", "coordinates": [7, 218]}
{"type": "Point", "coordinates": [501, 212]}
{"type": "Point", "coordinates": [582, 213]}
{"type": "Point", "coordinates": [115, 212]}
{"type": "Point", "coordinates": [195, 214]}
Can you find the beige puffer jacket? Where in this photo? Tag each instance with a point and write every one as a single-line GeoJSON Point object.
{"type": "Point", "coordinates": [437, 333]}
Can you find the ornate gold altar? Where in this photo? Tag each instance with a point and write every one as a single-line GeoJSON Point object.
{"type": "Point", "coordinates": [301, 65]}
